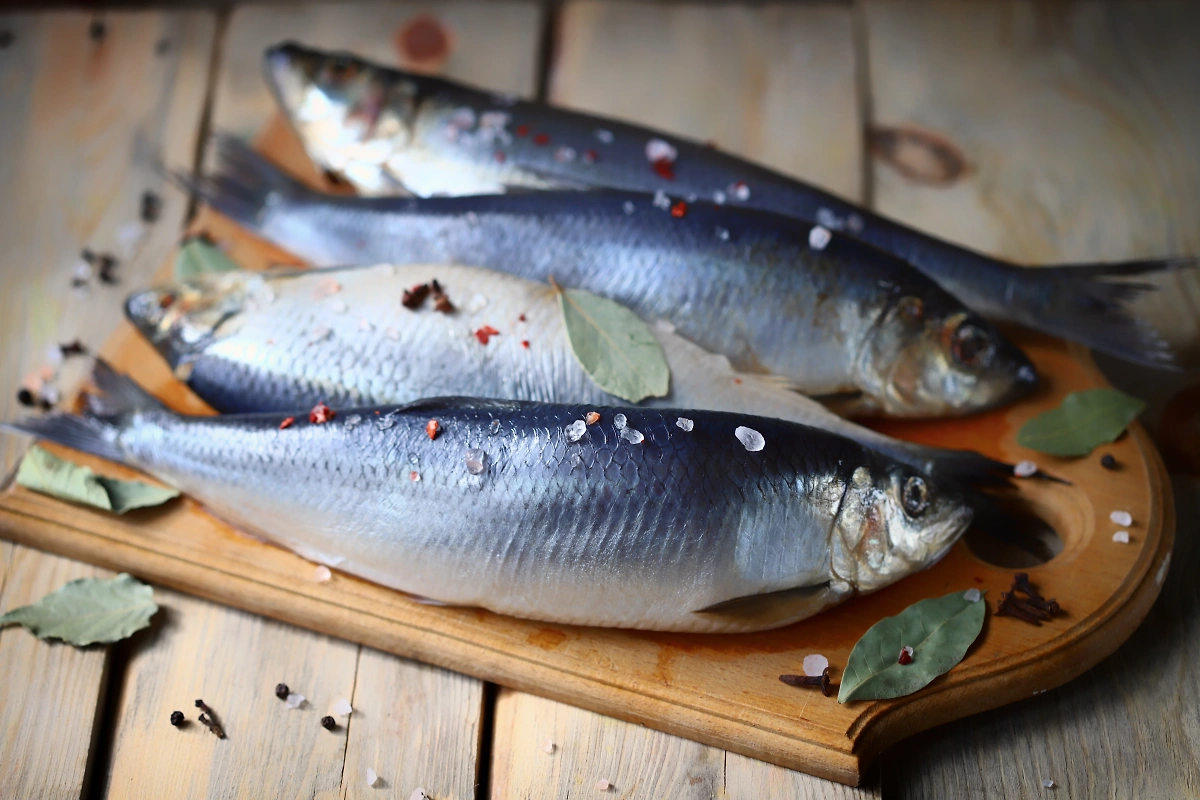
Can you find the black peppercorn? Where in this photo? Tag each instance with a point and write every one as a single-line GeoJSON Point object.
{"type": "Point", "coordinates": [328, 723]}
{"type": "Point", "coordinates": [282, 691]}
{"type": "Point", "coordinates": [1107, 461]}
{"type": "Point", "coordinates": [26, 398]}
{"type": "Point", "coordinates": [97, 30]}
{"type": "Point", "coordinates": [176, 718]}
{"type": "Point", "coordinates": [108, 269]}
{"type": "Point", "coordinates": [151, 206]}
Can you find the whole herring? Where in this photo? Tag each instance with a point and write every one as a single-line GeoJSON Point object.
{"type": "Point", "coordinates": [845, 319]}
{"type": "Point", "coordinates": [389, 132]}
{"type": "Point", "coordinates": [683, 531]}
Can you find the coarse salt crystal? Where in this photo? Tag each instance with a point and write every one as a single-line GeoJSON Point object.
{"type": "Point", "coordinates": [295, 700]}
{"type": "Point", "coordinates": [574, 432]}
{"type": "Point", "coordinates": [82, 271]}
{"type": "Point", "coordinates": [414, 476]}
{"type": "Point", "coordinates": [972, 595]}
{"type": "Point", "coordinates": [815, 664]}
{"type": "Point", "coordinates": [54, 355]}
{"type": "Point", "coordinates": [751, 439]}
{"type": "Point", "coordinates": [627, 206]}
{"type": "Point", "coordinates": [1122, 537]}
{"type": "Point", "coordinates": [604, 135]}
{"type": "Point", "coordinates": [723, 233]}
{"type": "Point", "coordinates": [719, 197]}
{"type": "Point", "coordinates": [1024, 469]}
{"type": "Point", "coordinates": [129, 238]}
{"type": "Point", "coordinates": [619, 421]}
{"type": "Point", "coordinates": [343, 708]}
{"type": "Point", "coordinates": [632, 436]}
{"type": "Point", "coordinates": [476, 304]}
{"type": "Point", "coordinates": [818, 237]}
{"type": "Point", "coordinates": [1049, 784]}
{"type": "Point", "coordinates": [339, 307]}
{"type": "Point", "coordinates": [51, 394]}
{"type": "Point", "coordinates": [418, 794]}
{"type": "Point", "coordinates": [548, 747]}
{"type": "Point", "coordinates": [684, 424]}
{"type": "Point", "coordinates": [603, 786]}
{"type": "Point", "coordinates": [371, 777]}
{"type": "Point", "coordinates": [1121, 518]}
{"type": "Point", "coordinates": [854, 222]}
{"type": "Point", "coordinates": [661, 200]}
{"type": "Point", "coordinates": [740, 190]}
{"type": "Point", "coordinates": [476, 460]}
{"type": "Point", "coordinates": [322, 574]}
{"type": "Point", "coordinates": [658, 150]}
{"type": "Point", "coordinates": [564, 155]}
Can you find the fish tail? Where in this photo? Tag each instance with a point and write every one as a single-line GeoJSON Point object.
{"type": "Point", "coordinates": [98, 431]}
{"type": "Point", "coordinates": [245, 184]}
{"type": "Point", "coordinates": [1093, 304]}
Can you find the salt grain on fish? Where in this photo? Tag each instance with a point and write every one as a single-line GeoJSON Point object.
{"type": "Point", "coordinates": [632, 436]}
{"type": "Point", "coordinates": [751, 439]}
{"type": "Point", "coordinates": [574, 432]}
{"type": "Point", "coordinates": [619, 421]}
{"type": "Point", "coordinates": [819, 237]}
{"type": "Point", "coordinates": [684, 424]}
{"type": "Point", "coordinates": [1025, 469]}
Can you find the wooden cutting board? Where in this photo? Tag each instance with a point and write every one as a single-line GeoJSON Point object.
{"type": "Point", "coordinates": [720, 690]}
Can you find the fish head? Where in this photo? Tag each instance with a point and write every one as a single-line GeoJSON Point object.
{"type": "Point", "coordinates": [180, 319]}
{"type": "Point", "coordinates": [928, 356]}
{"type": "Point", "coordinates": [349, 113]}
{"type": "Point", "coordinates": [894, 521]}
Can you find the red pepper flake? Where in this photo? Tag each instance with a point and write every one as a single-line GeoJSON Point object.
{"type": "Point", "coordinates": [665, 168]}
{"type": "Point", "coordinates": [591, 418]}
{"type": "Point", "coordinates": [287, 423]}
{"type": "Point", "coordinates": [679, 209]}
{"type": "Point", "coordinates": [166, 300]}
{"type": "Point", "coordinates": [321, 414]}
{"type": "Point", "coordinates": [485, 333]}
{"type": "Point", "coordinates": [525, 343]}
{"type": "Point", "coordinates": [905, 655]}
{"type": "Point", "coordinates": [414, 476]}
{"type": "Point", "coordinates": [414, 297]}
{"type": "Point", "coordinates": [500, 157]}
{"type": "Point", "coordinates": [521, 318]}
{"type": "Point", "coordinates": [521, 130]}
{"type": "Point", "coordinates": [542, 138]}
{"type": "Point", "coordinates": [432, 429]}
{"type": "Point", "coordinates": [737, 381]}
{"type": "Point", "coordinates": [589, 156]}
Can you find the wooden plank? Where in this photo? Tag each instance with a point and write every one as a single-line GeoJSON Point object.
{"type": "Point", "coordinates": [83, 122]}
{"type": "Point", "coordinates": [231, 660]}
{"type": "Point", "coordinates": [1082, 127]}
{"type": "Point", "coordinates": [52, 694]}
{"type": "Point", "coordinates": [417, 726]}
{"type": "Point", "coordinates": [1080, 123]}
{"type": "Point", "coordinates": [492, 44]}
{"type": "Point", "coordinates": [773, 82]}
{"type": "Point", "coordinates": [777, 84]}
{"type": "Point", "coordinates": [636, 761]}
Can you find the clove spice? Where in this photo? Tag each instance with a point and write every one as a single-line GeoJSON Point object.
{"type": "Point", "coordinates": [1032, 608]}
{"type": "Point", "coordinates": [209, 719]}
{"type": "Point", "coordinates": [413, 298]}
{"type": "Point", "coordinates": [440, 301]}
{"type": "Point", "coordinates": [821, 680]}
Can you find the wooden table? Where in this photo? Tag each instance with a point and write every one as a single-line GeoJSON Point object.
{"type": "Point", "coordinates": [1074, 134]}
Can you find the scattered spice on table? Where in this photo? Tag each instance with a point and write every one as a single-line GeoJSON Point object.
{"type": "Point", "coordinates": [151, 207]}
{"type": "Point", "coordinates": [209, 719]}
{"type": "Point", "coordinates": [177, 718]}
{"type": "Point", "coordinates": [821, 681]}
{"type": "Point", "coordinates": [106, 267]}
{"type": "Point", "coordinates": [1107, 461]}
{"type": "Point", "coordinates": [1121, 537]}
{"type": "Point", "coordinates": [1122, 518]}
{"type": "Point", "coordinates": [603, 786]}
{"type": "Point", "coordinates": [294, 700]}
{"type": "Point", "coordinates": [485, 333]}
{"type": "Point", "coordinates": [1032, 608]}
{"type": "Point", "coordinates": [372, 777]}
{"type": "Point", "coordinates": [548, 747]}
{"type": "Point", "coordinates": [322, 574]}
{"type": "Point", "coordinates": [75, 348]}
{"type": "Point", "coordinates": [282, 691]}
{"type": "Point", "coordinates": [26, 398]}
{"type": "Point", "coordinates": [343, 708]}
{"type": "Point", "coordinates": [328, 723]}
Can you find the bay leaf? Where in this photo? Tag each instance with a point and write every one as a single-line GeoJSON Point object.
{"type": "Point", "coordinates": [614, 346]}
{"type": "Point", "coordinates": [1084, 421]}
{"type": "Point", "coordinates": [197, 257]}
{"type": "Point", "coordinates": [44, 472]}
{"type": "Point", "coordinates": [89, 611]}
{"type": "Point", "coordinates": [939, 630]}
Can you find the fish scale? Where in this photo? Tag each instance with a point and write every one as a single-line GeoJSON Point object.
{"type": "Point", "coordinates": [662, 535]}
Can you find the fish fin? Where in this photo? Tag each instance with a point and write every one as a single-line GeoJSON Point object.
{"type": "Point", "coordinates": [795, 602]}
{"type": "Point", "coordinates": [770, 379]}
{"type": "Point", "coordinates": [555, 183]}
{"type": "Point", "coordinates": [94, 435]}
{"type": "Point", "coordinates": [1090, 307]}
{"type": "Point", "coordinates": [244, 184]}
{"type": "Point", "coordinates": [479, 403]}
{"type": "Point", "coordinates": [429, 601]}
{"type": "Point", "coordinates": [118, 393]}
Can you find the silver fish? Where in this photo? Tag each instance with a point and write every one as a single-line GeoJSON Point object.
{"type": "Point", "coordinates": [825, 312]}
{"type": "Point", "coordinates": [391, 132]}
{"type": "Point", "coordinates": [248, 342]}
{"type": "Point", "coordinates": [737, 523]}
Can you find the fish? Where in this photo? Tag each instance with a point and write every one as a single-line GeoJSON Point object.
{"type": "Point", "coordinates": [732, 524]}
{"type": "Point", "coordinates": [390, 132]}
{"type": "Point", "coordinates": [283, 340]}
{"type": "Point", "coordinates": [829, 315]}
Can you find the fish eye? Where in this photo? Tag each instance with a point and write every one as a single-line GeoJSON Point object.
{"type": "Point", "coordinates": [915, 496]}
{"type": "Point", "coordinates": [971, 346]}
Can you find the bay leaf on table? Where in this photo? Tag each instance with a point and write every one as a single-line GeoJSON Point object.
{"type": "Point", "coordinates": [197, 257]}
{"type": "Point", "coordinates": [44, 472]}
{"type": "Point", "coordinates": [1084, 421]}
{"type": "Point", "coordinates": [939, 630]}
{"type": "Point", "coordinates": [89, 611]}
